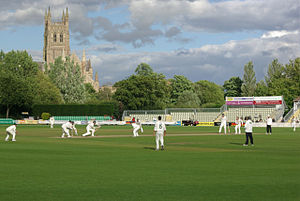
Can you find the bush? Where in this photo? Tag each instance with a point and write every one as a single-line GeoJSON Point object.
{"type": "Point", "coordinates": [104, 109]}
{"type": "Point", "coordinates": [46, 116]}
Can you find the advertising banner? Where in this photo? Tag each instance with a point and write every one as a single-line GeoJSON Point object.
{"type": "Point", "coordinates": [205, 124]}
{"type": "Point", "coordinates": [28, 122]}
{"type": "Point", "coordinates": [239, 100]}
{"type": "Point", "coordinates": [268, 100]}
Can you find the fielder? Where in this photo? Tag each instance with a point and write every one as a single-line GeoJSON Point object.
{"type": "Point", "coordinates": [136, 127]}
{"type": "Point", "coordinates": [66, 127]}
{"type": "Point", "coordinates": [160, 131]}
{"type": "Point", "coordinates": [90, 129]}
{"type": "Point", "coordinates": [238, 124]}
{"type": "Point", "coordinates": [294, 123]}
{"type": "Point", "coordinates": [11, 130]}
{"type": "Point", "coordinates": [74, 129]}
{"type": "Point", "coordinates": [223, 123]}
{"type": "Point", "coordinates": [51, 122]}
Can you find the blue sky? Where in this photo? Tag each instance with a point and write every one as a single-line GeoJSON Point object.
{"type": "Point", "coordinates": [200, 39]}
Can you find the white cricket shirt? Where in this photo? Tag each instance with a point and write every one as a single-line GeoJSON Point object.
{"type": "Point", "coordinates": [159, 127]}
{"type": "Point", "coordinates": [11, 129]}
{"type": "Point", "coordinates": [248, 126]}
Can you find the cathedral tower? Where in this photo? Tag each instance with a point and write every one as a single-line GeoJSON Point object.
{"type": "Point", "coordinates": [56, 37]}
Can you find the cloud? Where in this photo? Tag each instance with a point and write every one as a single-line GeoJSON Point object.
{"type": "Point", "coordinates": [173, 31]}
{"type": "Point", "coordinates": [170, 18]}
{"type": "Point", "coordinates": [222, 16]}
{"type": "Point", "coordinates": [105, 48]}
{"type": "Point", "coordinates": [216, 63]}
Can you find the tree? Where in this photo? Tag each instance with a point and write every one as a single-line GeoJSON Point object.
{"type": "Point", "coordinates": [209, 93]}
{"type": "Point", "coordinates": [106, 94]}
{"type": "Point", "coordinates": [249, 80]}
{"type": "Point", "coordinates": [188, 99]}
{"type": "Point", "coordinates": [46, 91]}
{"type": "Point", "coordinates": [292, 72]}
{"type": "Point", "coordinates": [17, 74]}
{"type": "Point", "coordinates": [66, 75]}
{"type": "Point", "coordinates": [275, 78]}
{"type": "Point", "coordinates": [143, 92]}
{"type": "Point", "coordinates": [179, 84]}
{"type": "Point", "coordinates": [261, 89]}
{"type": "Point", "coordinates": [232, 87]}
{"type": "Point", "coordinates": [143, 69]}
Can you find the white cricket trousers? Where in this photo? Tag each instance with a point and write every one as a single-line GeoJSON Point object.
{"type": "Point", "coordinates": [159, 138]}
{"type": "Point", "coordinates": [135, 131]}
{"type": "Point", "coordinates": [238, 129]}
{"type": "Point", "coordinates": [221, 126]}
{"type": "Point", "coordinates": [51, 125]}
{"type": "Point", "coordinates": [89, 132]}
{"type": "Point", "coordinates": [13, 134]}
{"type": "Point", "coordinates": [294, 126]}
{"type": "Point", "coordinates": [66, 132]}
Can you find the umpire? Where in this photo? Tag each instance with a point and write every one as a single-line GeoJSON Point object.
{"type": "Point", "coordinates": [248, 131]}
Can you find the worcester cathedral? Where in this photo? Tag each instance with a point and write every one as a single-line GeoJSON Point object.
{"type": "Point", "coordinates": [57, 43]}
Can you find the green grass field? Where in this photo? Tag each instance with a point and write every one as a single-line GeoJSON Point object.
{"type": "Point", "coordinates": [40, 167]}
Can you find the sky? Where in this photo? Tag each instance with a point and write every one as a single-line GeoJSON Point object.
{"type": "Point", "coordinates": [200, 39]}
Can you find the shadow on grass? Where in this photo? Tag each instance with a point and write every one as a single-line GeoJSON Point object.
{"type": "Point", "coordinates": [235, 143]}
{"type": "Point", "coordinates": [151, 148]}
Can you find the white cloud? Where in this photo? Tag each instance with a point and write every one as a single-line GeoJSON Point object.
{"type": "Point", "coordinates": [182, 15]}
{"type": "Point", "coordinates": [216, 63]}
{"type": "Point", "coordinates": [274, 34]}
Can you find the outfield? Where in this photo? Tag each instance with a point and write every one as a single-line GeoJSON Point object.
{"type": "Point", "coordinates": [41, 167]}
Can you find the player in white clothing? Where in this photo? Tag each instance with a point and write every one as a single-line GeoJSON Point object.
{"type": "Point", "coordinates": [248, 131]}
{"type": "Point", "coordinates": [294, 123]}
{"type": "Point", "coordinates": [90, 129]}
{"type": "Point", "coordinates": [66, 127]}
{"type": "Point", "coordinates": [238, 124]}
{"type": "Point", "coordinates": [51, 122]}
{"type": "Point", "coordinates": [269, 125]}
{"type": "Point", "coordinates": [160, 132]}
{"type": "Point", "coordinates": [223, 123]}
{"type": "Point", "coordinates": [11, 130]}
{"type": "Point", "coordinates": [74, 128]}
{"type": "Point", "coordinates": [136, 127]}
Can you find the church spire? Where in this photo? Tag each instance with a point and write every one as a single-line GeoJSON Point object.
{"type": "Point", "coordinates": [63, 16]}
{"type": "Point", "coordinates": [67, 12]}
{"type": "Point", "coordinates": [49, 13]}
{"type": "Point", "coordinates": [83, 56]}
{"type": "Point", "coordinates": [96, 77]}
{"type": "Point", "coordinates": [46, 14]}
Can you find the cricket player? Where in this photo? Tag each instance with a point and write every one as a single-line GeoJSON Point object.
{"type": "Point", "coordinates": [74, 128]}
{"type": "Point", "coordinates": [223, 123]}
{"type": "Point", "coordinates": [269, 125]}
{"type": "Point", "coordinates": [238, 124]}
{"type": "Point", "coordinates": [294, 123]}
{"type": "Point", "coordinates": [90, 129]}
{"type": "Point", "coordinates": [66, 127]}
{"type": "Point", "coordinates": [160, 131]}
{"type": "Point", "coordinates": [11, 130]}
{"type": "Point", "coordinates": [51, 122]}
{"type": "Point", "coordinates": [136, 127]}
{"type": "Point", "coordinates": [248, 131]}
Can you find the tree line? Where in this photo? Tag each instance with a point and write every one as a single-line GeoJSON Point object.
{"type": "Point", "coordinates": [23, 84]}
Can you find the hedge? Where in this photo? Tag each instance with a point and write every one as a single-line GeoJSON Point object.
{"type": "Point", "coordinates": [105, 109]}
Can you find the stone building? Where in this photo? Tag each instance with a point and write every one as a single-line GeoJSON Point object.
{"type": "Point", "coordinates": [57, 43]}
